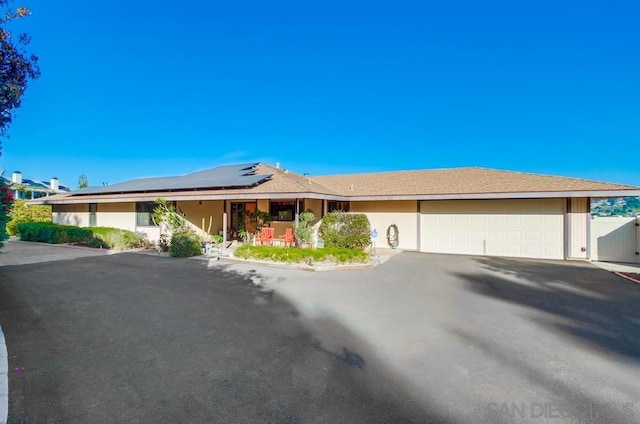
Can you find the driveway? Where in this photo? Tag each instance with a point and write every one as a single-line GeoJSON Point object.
{"type": "Point", "coordinates": [423, 338]}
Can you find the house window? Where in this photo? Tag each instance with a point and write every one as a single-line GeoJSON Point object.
{"type": "Point", "coordinates": [283, 211]}
{"type": "Point", "coordinates": [93, 208]}
{"type": "Point", "coordinates": [143, 214]}
{"type": "Point", "coordinates": [337, 206]}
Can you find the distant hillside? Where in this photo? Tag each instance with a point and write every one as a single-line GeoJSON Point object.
{"type": "Point", "coordinates": [620, 206]}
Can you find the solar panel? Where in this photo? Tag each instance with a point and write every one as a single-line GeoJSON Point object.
{"type": "Point", "coordinates": [228, 176]}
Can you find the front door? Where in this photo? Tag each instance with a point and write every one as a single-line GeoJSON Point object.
{"type": "Point", "coordinates": [239, 216]}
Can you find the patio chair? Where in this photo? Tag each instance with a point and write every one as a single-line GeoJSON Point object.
{"type": "Point", "coordinates": [266, 236]}
{"type": "Point", "coordinates": [287, 239]}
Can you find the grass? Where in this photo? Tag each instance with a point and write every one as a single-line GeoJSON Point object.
{"type": "Point", "coordinates": [307, 256]}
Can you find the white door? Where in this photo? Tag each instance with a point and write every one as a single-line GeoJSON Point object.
{"type": "Point", "coordinates": [528, 228]}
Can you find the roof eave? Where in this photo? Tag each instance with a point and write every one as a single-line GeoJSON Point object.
{"type": "Point", "coordinates": [506, 195]}
{"type": "Point", "coordinates": [194, 195]}
{"type": "Point", "coordinates": [148, 197]}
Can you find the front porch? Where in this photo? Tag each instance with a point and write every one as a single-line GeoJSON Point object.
{"type": "Point", "coordinates": [242, 220]}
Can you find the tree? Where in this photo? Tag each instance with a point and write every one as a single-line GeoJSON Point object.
{"type": "Point", "coordinates": [6, 200]}
{"type": "Point", "coordinates": [17, 67]}
{"type": "Point", "coordinates": [83, 181]}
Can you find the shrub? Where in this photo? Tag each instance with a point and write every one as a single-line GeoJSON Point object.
{"type": "Point", "coordinates": [304, 230]}
{"type": "Point", "coordinates": [116, 238]}
{"type": "Point", "coordinates": [185, 244]}
{"type": "Point", "coordinates": [43, 232]}
{"type": "Point", "coordinates": [46, 232]}
{"type": "Point", "coordinates": [6, 199]}
{"type": "Point", "coordinates": [308, 256]}
{"type": "Point", "coordinates": [21, 212]}
{"type": "Point", "coordinates": [345, 230]}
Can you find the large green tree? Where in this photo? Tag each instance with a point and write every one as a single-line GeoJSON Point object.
{"type": "Point", "coordinates": [17, 66]}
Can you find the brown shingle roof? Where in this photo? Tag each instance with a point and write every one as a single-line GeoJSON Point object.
{"type": "Point", "coordinates": [457, 181]}
{"type": "Point", "coordinates": [411, 184]}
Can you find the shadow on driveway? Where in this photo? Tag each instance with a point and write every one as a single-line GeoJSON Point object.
{"type": "Point", "coordinates": [578, 299]}
{"type": "Point", "coordinates": [590, 309]}
{"type": "Point", "coordinates": [133, 338]}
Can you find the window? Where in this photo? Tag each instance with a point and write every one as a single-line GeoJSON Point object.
{"type": "Point", "coordinates": [93, 208]}
{"type": "Point", "coordinates": [333, 205]}
{"type": "Point", "coordinates": [284, 211]}
{"type": "Point", "coordinates": [143, 214]}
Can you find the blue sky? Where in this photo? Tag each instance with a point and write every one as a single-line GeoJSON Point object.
{"type": "Point", "coordinates": [144, 88]}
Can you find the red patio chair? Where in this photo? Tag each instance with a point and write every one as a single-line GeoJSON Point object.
{"type": "Point", "coordinates": [266, 236]}
{"type": "Point", "coordinates": [287, 239]}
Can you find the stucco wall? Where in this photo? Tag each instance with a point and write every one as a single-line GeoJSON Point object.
{"type": "Point", "coordinates": [315, 205]}
{"type": "Point", "coordinates": [195, 212]}
{"type": "Point", "coordinates": [381, 214]}
{"type": "Point", "coordinates": [116, 215]}
{"type": "Point", "coordinates": [71, 214]}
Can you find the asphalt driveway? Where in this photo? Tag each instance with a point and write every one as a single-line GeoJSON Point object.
{"type": "Point", "coordinates": [133, 338]}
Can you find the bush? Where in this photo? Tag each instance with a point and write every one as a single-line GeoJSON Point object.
{"type": "Point", "coordinates": [21, 212]}
{"type": "Point", "coordinates": [42, 232]}
{"type": "Point", "coordinates": [304, 230]}
{"type": "Point", "coordinates": [6, 199]}
{"type": "Point", "coordinates": [116, 238]}
{"type": "Point", "coordinates": [185, 244]}
{"type": "Point", "coordinates": [111, 238]}
{"type": "Point", "coordinates": [308, 256]}
{"type": "Point", "coordinates": [345, 230]}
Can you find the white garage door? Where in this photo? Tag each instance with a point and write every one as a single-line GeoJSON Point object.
{"type": "Point", "coordinates": [529, 228]}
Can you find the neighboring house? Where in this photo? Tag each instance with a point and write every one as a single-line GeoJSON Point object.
{"type": "Point", "coordinates": [473, 211]}
{"type": "Point", "coordinates": [24, 188]}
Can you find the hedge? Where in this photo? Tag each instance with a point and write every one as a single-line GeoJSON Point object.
{"type": "Point", "coordinates": [345, 230]}
{"type": "Point", "coordinates": [296, 255]}
{"type": "Point", "coordinates": [110, 238]}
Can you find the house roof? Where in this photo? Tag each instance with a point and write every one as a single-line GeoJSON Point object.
{"type": "Point", "coordinates": [459, 181]}
{"type": "Point", "coordinates": [259, 180]}
{"type": "Point", "coordinates": [268, 182]}
{"type": "Point", "coordinates": [220, 177]}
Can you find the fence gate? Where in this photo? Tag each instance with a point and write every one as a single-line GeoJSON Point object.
{"type": "Point", "coordinates": [615, 239]}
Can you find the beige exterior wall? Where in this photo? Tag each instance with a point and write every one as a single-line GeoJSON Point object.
{"type": "Point", "coordinates": [77, 215]}
{"type": "Point", "coordinates": [196, 212]}
{"type": "Point", "coordinates": [116, 215]}
{"type": "Point", "coordinates": [578, 220]}
{"type": "Point", "coordinates": [315, 205]}
{"type": "Point", "coordinates": [381, 214]}
{"type": "Point", "coordinates": [263, 205]}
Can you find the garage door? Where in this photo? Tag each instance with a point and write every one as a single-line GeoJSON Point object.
{"type": "Point", "coordinates": [528, 228]}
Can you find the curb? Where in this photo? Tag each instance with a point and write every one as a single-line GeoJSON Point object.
{"type": "Point", "coordinates": [4, 380]}
{"type": "Point", "coordinates": [298, 266]}
{"type": "Point", "coordinates": [619, 274]}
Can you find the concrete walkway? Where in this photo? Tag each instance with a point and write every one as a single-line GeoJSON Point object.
{"type": "Point", "coordinates": [618, 267]}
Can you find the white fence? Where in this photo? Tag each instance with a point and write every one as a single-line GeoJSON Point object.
{"type": "Point", "coordinates": [615, 239]}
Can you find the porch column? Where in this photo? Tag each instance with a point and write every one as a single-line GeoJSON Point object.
{"type": "Point", "coordinates": [224, 224]}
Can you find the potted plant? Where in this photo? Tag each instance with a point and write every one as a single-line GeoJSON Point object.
{"type": "Point", "coordinates": [304, 230]}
